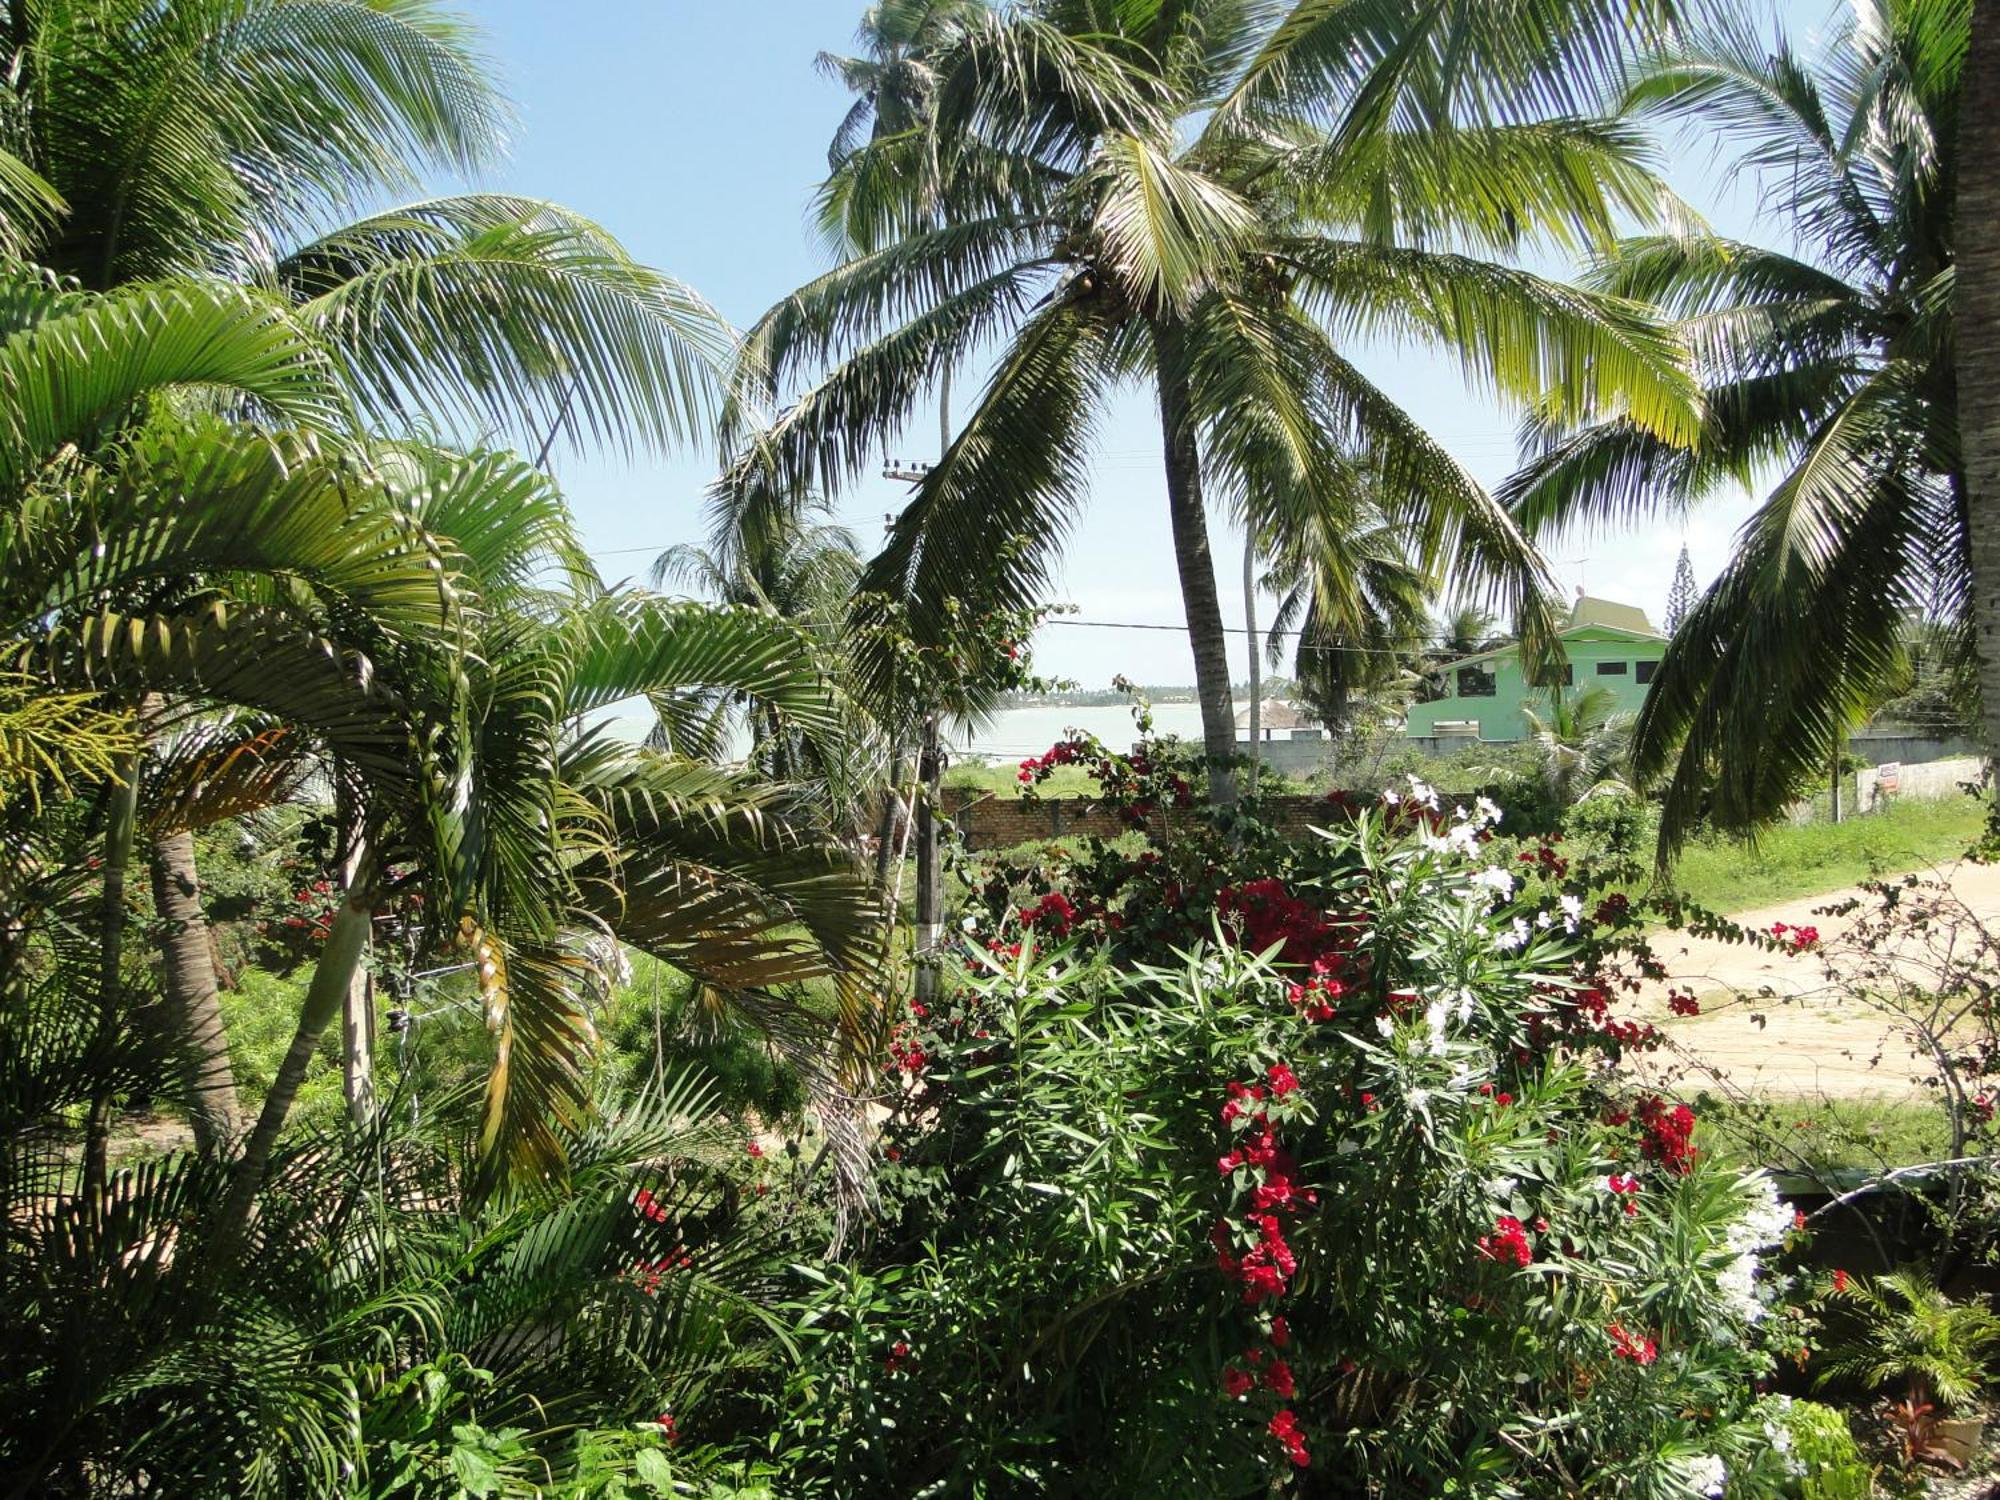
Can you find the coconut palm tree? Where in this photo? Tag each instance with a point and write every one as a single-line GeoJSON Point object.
{"type": "Point", "coordinates": [1580, 744]}
{"type": "Point", "coordinates": [1833, 365]}
{"type": "Point", "coordinates": [1976, 309]}
{"type": "Point", "coordinates": [895, 81]}
{"type": "Point", "coordinates": [1207, 201]}
{"type": "Point", "coordinates": [1349, 600]}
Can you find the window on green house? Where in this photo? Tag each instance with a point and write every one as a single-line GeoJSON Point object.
{"type": "Point", "coordinates": [1643, 671]}
{"type": "Point", "coordinates": [1475, 682]}
{"type": "Point", "coordinates": [1611, 668]}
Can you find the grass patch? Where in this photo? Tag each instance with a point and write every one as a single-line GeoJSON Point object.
{"type": "Point", "coordinates": [1814, 858]}
{"type": "Point", "coordinates": [1819, 1136]}
{"type": "Point", "coordinates": [1004, 780]}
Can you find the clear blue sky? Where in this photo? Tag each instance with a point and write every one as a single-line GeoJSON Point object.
{"type": "Point", "coordinates": [695, 132]}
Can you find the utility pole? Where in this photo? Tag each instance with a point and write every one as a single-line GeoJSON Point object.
{"type": "Point", "coordinates": [930, 766]}
{"type": "Point", "coordinates": [1250, 629]}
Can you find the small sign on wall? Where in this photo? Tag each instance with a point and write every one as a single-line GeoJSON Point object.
{"type": "Point", "coordinates": [1889, 778]}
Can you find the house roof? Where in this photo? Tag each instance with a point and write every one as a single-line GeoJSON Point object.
{"type": "Point", "coordinates": [1608, 614]}
{"type": "Point", "coordinates": [1586, 616]}
{"type": "Point", "coordinates": [1276, 713]}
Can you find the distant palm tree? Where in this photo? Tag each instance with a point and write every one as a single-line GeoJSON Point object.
{"type": "Point", "coordinates": [1832, 366]}
{"type": "Point", "coordinates": [804, 575]}
{"type": "Point", "coordinates": [1349, 600]}
{"type": "Point", "coordinates": [895, 82]}
{"type": "Point", "coordinates": [1581, 745]}
{"type": "Point", "coordinates": [1208, 201]}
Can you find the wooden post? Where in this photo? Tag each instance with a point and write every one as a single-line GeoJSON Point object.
{"type": "Point", "coordinates": [930, 879]}
{"type": "Point", "coordinates": [1833, 782]}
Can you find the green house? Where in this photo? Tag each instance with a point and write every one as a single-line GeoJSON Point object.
{"type": "Point", "coordinates": [1609, 645]}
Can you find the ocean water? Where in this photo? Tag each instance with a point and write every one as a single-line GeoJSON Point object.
{"type": "Point", "coordinates": [1012, 735]}
{"type": "Point", "coordinates": [1020, 732]}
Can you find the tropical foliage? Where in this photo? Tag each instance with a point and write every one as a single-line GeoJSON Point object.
{"type": "Point", "coordinates": [1831, 365]}
{"type": "Point", "coordinates": [1209, 201]}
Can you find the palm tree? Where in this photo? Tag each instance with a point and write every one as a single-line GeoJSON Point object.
{"type": "Point", "coordinates": [1349, 598]}
{"type": "Point", "coordinates": [894, 82]}
{"type": "Point", "coordinates": [1976, 309]}
{"type": "Point", "coordinates": [1206, 201]}
{"type": "Point", "coordinates": [1834, 365]}
{"type": "Point", "coordinates": [425, 622]}
{"type": "Point", "coordinates": [805, 574]}
{"type": "Point", "coordinates": [222, 139]}
{"type": "Point", "coordinates": [1581, 746]}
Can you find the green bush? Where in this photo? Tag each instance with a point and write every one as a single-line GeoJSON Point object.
{"type": "Point", "coordinates": [1336, 1185]}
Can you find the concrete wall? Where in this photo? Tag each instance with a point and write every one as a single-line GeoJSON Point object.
{"type": "Point", "coordinates": [1293, 757]}
{"type": "Point", "coordinates": [1908, 747]}
{"type": "Point", "coordinates": [1932, 781]}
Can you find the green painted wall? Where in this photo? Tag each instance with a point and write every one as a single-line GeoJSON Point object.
{"type": "Point", "coordinates": [1590, 649]}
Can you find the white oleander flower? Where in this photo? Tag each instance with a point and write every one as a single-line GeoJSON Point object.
{"type": "Point", "coordinates": [1572, 910]}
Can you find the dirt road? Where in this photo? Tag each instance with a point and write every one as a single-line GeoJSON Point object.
{"type": "Point", "coordinates": [1777, 1024]}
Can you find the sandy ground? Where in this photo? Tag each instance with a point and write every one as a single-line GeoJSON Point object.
{"type": "Point", "coordinates": [1774, 1023]}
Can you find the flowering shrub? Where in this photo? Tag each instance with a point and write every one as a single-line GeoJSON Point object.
{"type": "Point", "coordinates": [1248, 1160]}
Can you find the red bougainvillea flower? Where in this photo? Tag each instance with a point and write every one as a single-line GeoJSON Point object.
{"type": "Point", "coordinates": [1667, 1135]}
{"type": "Point", "coordinates": [1237, 1383]}
{"type": "Point", "coordinates": [754, 1149]}
{"type": "Point", "coordinates": [668, 1428]}
{"type": "Point", "coordinates": [1507, 1242]}
{"type": "Point", "coordinates": [1278, 1380]}
{"type": "Point", "coordinates": [1795, 939]}
{"type": "Point", "coordinates": [1283, 1081]}
{"type": "Point", "coordinates": [898, 1353]}
{"type": "Point", "coordinates": [1281, 1332]}
{"type": "Point", "coordinates": [1841, 1281]}
{"type": "Point", "coordinates": [1639, 1349]}
{"type": "Point", "coordinates": [1285, 1428]}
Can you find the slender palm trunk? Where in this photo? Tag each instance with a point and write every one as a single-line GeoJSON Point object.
{"type": "Point", "coordinates": [1196, 563]}
{"type": "Point", "coordinates": [118, 833]}
{"type": "Point", "coordinates": [1256, 675]}
{"type": "Point", "coordinates": [339, 960]}
{"type": "Point", "coordinates": [1977, 338]}
{"type": "Point", "coordinates": [193, 1010]}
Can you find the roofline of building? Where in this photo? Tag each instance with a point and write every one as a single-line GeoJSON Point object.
{"type": "Point", "coordinates": [1564, 634]}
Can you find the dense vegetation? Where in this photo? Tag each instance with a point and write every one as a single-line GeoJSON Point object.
{"type": "Point", "coordinates": [410, 1087]}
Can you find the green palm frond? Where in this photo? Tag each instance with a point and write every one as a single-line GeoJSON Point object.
{"type": "Point", "coordinates": [629, 645]}
{"type": "Point", "coordinates": [986, 520]}
{"type": "Point", "coordinates": [181, 135]}
{"type": "Point", "coordinates": [1801, 636]}
{"type": "Point", "coordinates": [73, 376]}
{"type": "Point", "coordinates": [248, 658]}
{"type": "Point", "coordinates": [510, 312]}
{"type": "Point", "coordinates": [1531, 340]}
{"type": "Point", "coordinates": [1167, 232]}
{"type": "Point", "coordinates": [205, 500]}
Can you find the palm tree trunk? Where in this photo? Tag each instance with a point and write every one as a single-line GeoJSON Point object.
{"type": "Point", "coordinates": [1977, 338]}
{"type": "Point", "coordinates": [357, 1009]}
{"type": "Point", "coordinates": [1250, 629]}
{"type": "Point", "coordinates": [118, 833]}
{"type": "Point", "coordinates": [193, 1011]}
{"type": "Point", "coordinates": [338, 962]}
{"type": "Point", "coordinates": [1196, 563]}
